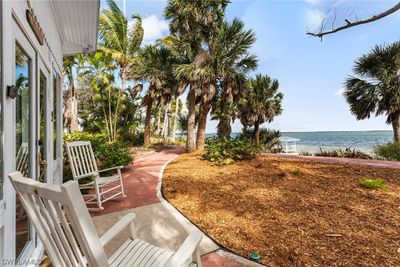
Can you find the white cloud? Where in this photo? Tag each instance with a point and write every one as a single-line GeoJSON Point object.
{"type": "Point", "coordinates": [314, 17]}
{"type": "Point", "coordinates": [154, 28]}
{"type": "Point", "coordinates": [339, 92]}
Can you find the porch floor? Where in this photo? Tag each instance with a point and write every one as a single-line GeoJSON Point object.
{"type": "Point", "coordinates": [157, 221]}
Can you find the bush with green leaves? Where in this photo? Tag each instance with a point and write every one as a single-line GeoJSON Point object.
{"type": "Point", "coordinates": [389, 151]}
{"type": "Point", "coordinates": [343, 153]}
{"type": "Point", "coordinates": [269, 139]}
{"type": "Point", "coordinates": [223, 151]}
{"type": "Point", "coordinates": [108, 154]}
{"type": "Point", "coordinates": [377, 183]}
{"type": "Point", "coordinates": [296, 172]}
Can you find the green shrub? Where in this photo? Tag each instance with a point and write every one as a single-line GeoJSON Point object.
{"type": "Point", "coordinates": [305, 153]}
{"type": "Point", "coordinates": [296, 172]}
{"type": "Point", "coordinates": [377, 183]}
{"type": "Point", "coordinates": [389, 151]}
{"type": "Point", "coordinates": [223, 151]}
{"type": "Point", "coordinates": [136, 139]}
{"type": "Point", "coordinates": [269, 139]}
{"type": "Point", "coordinates": [108, 154]}
{"type": "Point", "coordinates": [343, 153]}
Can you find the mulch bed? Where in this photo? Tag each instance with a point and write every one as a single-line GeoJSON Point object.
{"type": "Point", "coordinates": [322, 217]}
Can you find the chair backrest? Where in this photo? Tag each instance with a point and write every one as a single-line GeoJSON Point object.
{"type": "Point", "coordinates": [82, 160]}
{"type": "Point", "coordinates": [62, 222]}
{"type": "Point", "coordinates": [22, 162]}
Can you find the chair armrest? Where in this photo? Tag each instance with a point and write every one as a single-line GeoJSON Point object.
{"type": "Point", "coordinates": [187, 252]}
{"type": "Point", "coordinates": [117, 228]}
{"type": "Point", "coordinates": [113, 168]}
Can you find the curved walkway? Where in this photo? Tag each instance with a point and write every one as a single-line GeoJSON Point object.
{"type": "Point", "coordinates": [157, 221]}
{"type": "Point", "coordinates": [363, 162]}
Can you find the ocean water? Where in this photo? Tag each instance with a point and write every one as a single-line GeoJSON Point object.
{"type": "Point", "coordinates": [363, 140]}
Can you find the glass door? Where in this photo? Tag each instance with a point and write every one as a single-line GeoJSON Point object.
{"type": "Point", "coordinates": [42, 125]}
{"type": "Point", "coordinates": [25, 136]}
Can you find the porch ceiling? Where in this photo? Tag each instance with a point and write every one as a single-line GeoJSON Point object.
{"type": "Point", "coordinates": [77, 22]}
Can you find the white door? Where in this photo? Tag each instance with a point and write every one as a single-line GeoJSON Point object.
{"type": "Point", "coordinates": [26, 137]}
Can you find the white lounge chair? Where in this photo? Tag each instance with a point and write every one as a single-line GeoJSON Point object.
{"type": "Point", "coordinates": [63, 223]}
{"type": "Point", "coordinates": [83, 165]}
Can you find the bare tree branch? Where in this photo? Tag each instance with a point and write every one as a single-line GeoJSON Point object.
{"type": "Point", "coordinates": [350, 24]}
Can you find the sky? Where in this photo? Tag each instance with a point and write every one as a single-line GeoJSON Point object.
{"type": "Point", "coordinates": [311, 73]}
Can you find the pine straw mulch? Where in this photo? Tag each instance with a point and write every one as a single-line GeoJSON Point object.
{"type": "Point", "coordinates": [322, 217]}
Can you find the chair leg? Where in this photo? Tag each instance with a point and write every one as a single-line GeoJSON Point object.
{"type": "Point", "coordinates": [121, 183]}
{"type": "Point", "coordinates": [197, 258]}
{"type": "Point", "coordinates": [99, 196]}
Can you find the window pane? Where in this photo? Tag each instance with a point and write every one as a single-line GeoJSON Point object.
{"type": "Point", "coordinates": [22, 80]}
{"type": "Point", "coordinates": [42, 117]}
{"type": "Point", "coordinates": [54, 117]}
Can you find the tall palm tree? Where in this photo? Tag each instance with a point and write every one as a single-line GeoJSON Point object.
{"type": "Point", "coordinates": [192, 22]}
{"type": "Point", "coordinates": [154, 65]}
{"type": "Point", "coordinates": [376, 86]}
{"type": "Point", "coordinates": [262, 102]}
{"type": "Point", "coordinates": [233, 61]}
{"type": "Point", "coordinates": [120, 38]}
{"type": "Point", "coordinates": [72, 66]}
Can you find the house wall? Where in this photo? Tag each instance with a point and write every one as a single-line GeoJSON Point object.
{"type": "Point", "coordinates": [51, 55]}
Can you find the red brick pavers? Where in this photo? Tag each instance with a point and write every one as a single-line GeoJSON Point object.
{"type": "Point", "coordinates": [140, 181]}
{"type": "Point", "coordinates": [215, 259]}
{"type": "Point", "coordinates": [364, 162]}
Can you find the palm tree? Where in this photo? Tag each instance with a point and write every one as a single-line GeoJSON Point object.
{"type": "Point", "coordinates": [100, 73]}
{"type": "Point", "coordinates": [120, 38]}
{"type": "Point", "coordinates": [72, 65]}
{"type": "Point", "coordinates": [154, 66]}
{"type": "Point", "coordinates": [262, 102]}
{"type": "Point", "coordinates": [192, 23]}
{"type": "Point", "coordinates": [376, 88]}
{"type": "Point", "coordinates": [233, 62]}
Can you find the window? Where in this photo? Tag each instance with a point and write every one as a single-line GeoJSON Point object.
{"type": "Point", "coordinates": [54, 114]}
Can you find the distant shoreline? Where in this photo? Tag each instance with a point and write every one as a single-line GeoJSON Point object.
{"type": "Point", "coordinates": [327, 131]}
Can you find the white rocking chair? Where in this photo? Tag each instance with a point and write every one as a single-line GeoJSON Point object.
{"type": "Point", "coordinates": [63, 223]}
{"type": "Point", "coordinates": [83, 165]}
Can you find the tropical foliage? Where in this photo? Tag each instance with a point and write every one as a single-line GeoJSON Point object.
{"type": "Point", "coordinates": [262, 103]}
{"type": "Point", "coordinates": [132, 92]}
{"type": "Point", "coordinates": [343, 153]}
{"type": "Point", "coordinates": [269, 139]}
{"type": "Point", "coordinates": [375, 88]}
{"type": "Point", "coordinates": [390, 151]}
{"type": "Point", "coordinates": [226, 150]}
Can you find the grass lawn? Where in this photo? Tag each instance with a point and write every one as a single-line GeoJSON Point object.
{"type": "Point", "coordinates": [293, 212]}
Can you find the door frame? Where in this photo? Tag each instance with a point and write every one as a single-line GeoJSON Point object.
{"type": "Point", "coordinates": [20, 38]}
{"type": "Point", "coordinates": [42, 68]}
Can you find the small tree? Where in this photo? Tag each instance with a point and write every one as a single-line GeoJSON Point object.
{"type": "Point", "coordinates": [261, 104]}
{"type": "Point", "coordinates": [376, 89]}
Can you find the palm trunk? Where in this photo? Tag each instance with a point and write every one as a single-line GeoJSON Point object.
{"type": "Point", "coordinates": [396, 126]}
{"type": "Point", "coordinates": [175, 118]}
{"type": "Point", "coordinates": [257, 132]}
{"type": "Point", "coordinates": [201, 132]}
{"type": "Point", "coordinates": [149, 106]}
{"type": "Point", "coordinates": [158, 121]}
{"type": "Point", "coordinates": [224, 127]}
{"type": "Point", "coordinates": [190, 142]}
{"type": "Point", "coordinates": [74, 113]}
{"type": "Point", "coordinates": [166, 121]}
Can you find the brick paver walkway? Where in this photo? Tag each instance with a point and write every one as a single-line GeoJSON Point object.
{"type": "Point", "coordinates": [364, 162]}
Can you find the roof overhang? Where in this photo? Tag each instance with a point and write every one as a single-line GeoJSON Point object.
{"type": "Point", "coordinates": [77, 22]}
